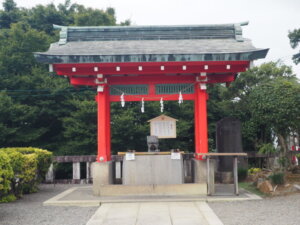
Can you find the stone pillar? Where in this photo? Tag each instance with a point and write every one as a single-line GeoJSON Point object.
{"type": "Point", "coordinates": [200, 173]}
{"type": "Point", "coordinates": [76, 170]}
{"type": "Point", "coordinates": [102, 175]}
{"type": "Point", "coordinates": [118, 170]}
{"type": "Point", "coordinates": [88, 172]}
{"type": "Point", "coordinates": [50, 174]}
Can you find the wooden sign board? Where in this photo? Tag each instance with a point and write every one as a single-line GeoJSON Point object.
{"type": "Point", "coordinates": [163, 127]}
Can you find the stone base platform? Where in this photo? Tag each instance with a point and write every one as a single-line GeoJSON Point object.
{"type": "Point", "coordinates": [82, 195]}
{"type": "Point", "coordinates": [158, 190]}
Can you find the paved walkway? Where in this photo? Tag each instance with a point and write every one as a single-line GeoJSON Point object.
{"type": "Point", "coordinates": [155, 213]}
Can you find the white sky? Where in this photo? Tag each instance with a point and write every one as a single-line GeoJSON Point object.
{"type": "Point", "coordinates": [270, 20]}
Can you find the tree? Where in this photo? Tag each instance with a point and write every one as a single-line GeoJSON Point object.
{"type": "Point", "coordinates": [247, 81]}
{"type": "Point", "coordinates": [235, 101]}
{"type": "Point", "coordinates": [10, 14]}
{"type": "Point", "coordinates": [16, 123]}
{"type": "Point", "coordinates": [294, 37]}
{"type": "Point", "coordinates": [42, 18]}
{"type": "Point", "coordinates": [9, 5]}
{"type": "Point", "coordinates": [94, 17]}
{"type": "Point", "coordinates": [275, 105]}
{"type": "Point", "coordinates": [17, 46]}
{"type": "Point", "coordinates": [80, 129]}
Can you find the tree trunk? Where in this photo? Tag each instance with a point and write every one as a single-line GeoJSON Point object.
{"type": "Point", "coordinates": [283, 150]}
{"type": "Point", "coordinates": [282, 143]}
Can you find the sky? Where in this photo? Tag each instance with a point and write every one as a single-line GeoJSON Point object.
{"type": "Point", "coordinates": [269, 20]}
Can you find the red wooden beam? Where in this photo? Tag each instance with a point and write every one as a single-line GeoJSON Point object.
{"type": "Point", "coordinates": [145, 68]}
{"type": "Point", "coordinates": [113, 80]}
{"type": "Point", "coordinates": [148, 79]}
{"type": "Point", "coordinates": [151, 97]}
{"type": "Point", "coordinates": [158, 79]}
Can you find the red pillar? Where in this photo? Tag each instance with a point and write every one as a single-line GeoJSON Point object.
{"type": "Point", "coordinates": [200, 113]}
{"type": "Point", "coordinates": [103, 106]}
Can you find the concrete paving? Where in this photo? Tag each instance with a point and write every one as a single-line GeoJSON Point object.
{"type": "Point", "coordinates": [158, 213]}
{"type": "Point", "coordinates": [149, 209]}
{"type": "Point", "coordinates": [83, 196]}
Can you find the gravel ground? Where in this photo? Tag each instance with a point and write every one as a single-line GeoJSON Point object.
{"type": "Point", "coordinates": [284, 210]}
{"type": "Point", "coordinates": [30, 211]}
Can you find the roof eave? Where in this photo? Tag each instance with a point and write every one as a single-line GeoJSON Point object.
{"type": "Point", "coordinates": [236, 56]}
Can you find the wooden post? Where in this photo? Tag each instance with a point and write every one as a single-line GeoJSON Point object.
{"type": "Point", "coordinates": [210, 182]}
{"type": "Point", "coordinates": [235, 175]}
{"type": "Point", "coordinates": [104, 142]}
{"type": "Point", "coordinates": [200, 115]}
{"type": "Point", "coordinates": [207, 175]}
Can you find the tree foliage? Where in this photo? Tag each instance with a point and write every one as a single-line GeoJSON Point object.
{"type": "Point", "coordinates": [238, 101]}
{"type": "Point", "coordinates": [294, 37]}
{"type": "Point", "coordinates": [274, 105]}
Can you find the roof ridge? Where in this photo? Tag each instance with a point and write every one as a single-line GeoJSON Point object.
{"type": "Point", "coordinates": [156, 32]}
{"type": "Point", "coordinates": [245, 23]}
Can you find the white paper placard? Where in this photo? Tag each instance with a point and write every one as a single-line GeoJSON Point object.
{"type": "Point", "coordinates": [129, 156]}
{"type": "Point", "coordinates": [175, 155]}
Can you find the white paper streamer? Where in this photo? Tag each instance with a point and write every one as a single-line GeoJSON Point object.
{"type": "Point", "coordinates": [180, 99]}
{"type": "Point", "coordinates": [161, 104]}
{"type": "Point", "coordinates": [122, 100]}
{"type": "Point", "coordinates": [143, 106]}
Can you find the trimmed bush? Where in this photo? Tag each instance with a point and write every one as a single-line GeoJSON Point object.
{"type": "Point", "coordinates": [6, 174]}
{"type": "Point", "coordinates": [277, 178]}
{"type": "Point", "coordinates": [17, 161]}
{"type": "Point", "coordinates": [29, 166]}
{"type": "Point", "coordinates": [30, 178]}
{"type": "Point", "coordinates": [44, 159]}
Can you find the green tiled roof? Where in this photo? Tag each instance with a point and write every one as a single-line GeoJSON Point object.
{"type": "Point", "coordinates": [151, 44]}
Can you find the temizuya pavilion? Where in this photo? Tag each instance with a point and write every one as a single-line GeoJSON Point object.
{"type": "Point", "coordinates": [151, 63]}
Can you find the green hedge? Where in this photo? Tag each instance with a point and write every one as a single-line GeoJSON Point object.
{"type": "Point", "coordinates": [28, 168]}
{"type": "Point", "coordinates": [6, 174]}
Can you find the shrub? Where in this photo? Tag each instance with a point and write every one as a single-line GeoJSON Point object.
{"type": "Point", "coordinates": [30, 180]}
{"type": "Point", "coordinates": [44, 159]}
{"type": "Point", "coordinates": [6, 174]}
{"type": "Point", "coordinates": [17, 161]}
{"type": "Point", "coordinates": [8, 198]}
{"type": "Point", "coordinates": [29, 166]}
{"type": "Point", "coordinates": [242, 174]}
{"type": "Point", "coordinates": [277, 178]}
{"type": "Point", "coordinates": [253, 170]}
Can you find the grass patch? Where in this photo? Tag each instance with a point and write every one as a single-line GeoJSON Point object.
{"type": "Point", "coordinates": [251, 188]}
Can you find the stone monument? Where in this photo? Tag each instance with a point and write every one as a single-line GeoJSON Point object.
{"type": "Point", "coordinates": [229, 140]}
